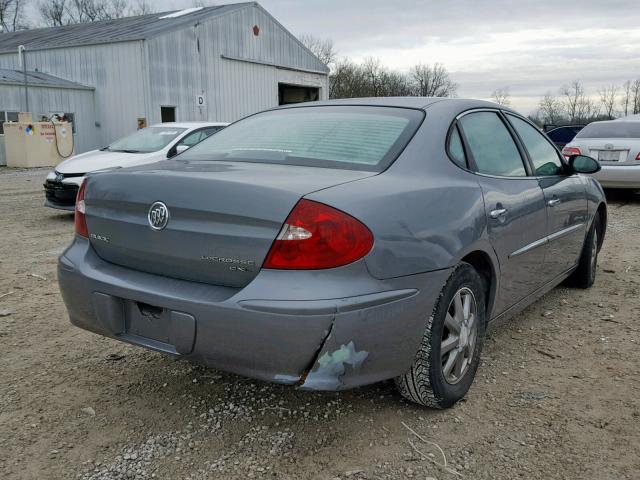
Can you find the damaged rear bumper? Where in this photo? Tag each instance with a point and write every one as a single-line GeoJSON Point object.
{"type": "Point", "coordinates": [322, 330]}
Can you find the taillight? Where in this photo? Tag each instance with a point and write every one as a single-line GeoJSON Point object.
{"type": "Point", "coordinates": [80, 219]}
{"type": "Point", "coordinates": [568, 151]}
{"type": "Point", "coordinates": [638, 156]}
{"type": "Point", "coordinates": [317, 236]}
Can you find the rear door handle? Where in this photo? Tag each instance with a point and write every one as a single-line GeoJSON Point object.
{"type": "Point", "coordinates": [553, 202]}
{"type": "Point", "coordinates": [498, 212]}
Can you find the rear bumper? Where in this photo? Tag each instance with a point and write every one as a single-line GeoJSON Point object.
{"type": "Point", "coordinates": [326, 330]}
{"type": "Point", "coordinates": [619, 176]}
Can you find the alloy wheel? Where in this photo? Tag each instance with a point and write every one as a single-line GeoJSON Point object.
{"type": "Point", "coordinates": [459, 335]}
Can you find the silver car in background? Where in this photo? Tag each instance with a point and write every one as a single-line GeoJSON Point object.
{"type": "Point", "coordinates": [616, 145]}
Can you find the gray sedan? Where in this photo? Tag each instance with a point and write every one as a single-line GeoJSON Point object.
{"type": "Point", "coordinates": [336, 244]}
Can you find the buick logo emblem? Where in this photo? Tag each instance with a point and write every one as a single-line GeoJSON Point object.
{"type": "Point", "coordinates": [158, 216]}
{"type": "Point", "coordinates": [608, 146]}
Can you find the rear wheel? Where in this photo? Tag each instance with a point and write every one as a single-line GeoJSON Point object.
{"type": "Point", "coordinates": [585, 274]}
{"type": "Point", "coordinates": [446, 363]}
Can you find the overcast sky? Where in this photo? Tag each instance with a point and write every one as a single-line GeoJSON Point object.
{"type": "Point", "coordinates": [531, 47]}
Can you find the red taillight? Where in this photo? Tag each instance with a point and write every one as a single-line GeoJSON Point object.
{"type": "Point", "coordinates": [317, 236]}
{"type": "Point", "coordinates": [568, 151]}
{"type": "Point", "coordinates": [638, 156]}
{"type": "Point", "coordinates": [80, 219]}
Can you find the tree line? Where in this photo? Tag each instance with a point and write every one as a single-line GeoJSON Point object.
{"type": "Point", "coordinates": [571, 104]}
{"type": "Point", "coordinates": [370, 78]}
{"type": "Point", "coordinates": [56, 13]}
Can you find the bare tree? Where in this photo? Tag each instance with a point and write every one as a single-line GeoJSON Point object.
{"type": "Point", "coordinates": [396, 84]}
{"type": "Point", "coordinates": [374, 74]}
{"type": "Point", "coordinates": [203, 3]}
{"type": "Point", "coordinates": [635, 92]}
{"type": "Point", "coordinates": [578, 107]}
{"type": "Point", "coordinates": [346, 80]}
{"type": "Point", "coordinates": [501, 96]}
{"type": "Point", "coordinates": [572, 96]}
{"type": "Point", "coordinates": [550, 109]}
{"type": "Point", "coordinates": [368, 79]}
{"type": "Point", "coordinates": [65, 12]}
{"type": "Point", "coordinates": [321, 48]}
{"type": "Point", "coordinates": [626, 100]}
{"type": "Point", "coordinates": [54, 12]}
{"type": "Point", "coordinates": [608, 100]}
{"type": "Point", "coordinates": [432, 81]}
{"type": "Point", "coordinates": [12, 15]}
{"type": "Point", "coordinates": [140, 7]}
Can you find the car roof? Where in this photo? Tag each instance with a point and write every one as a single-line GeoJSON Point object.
{"type": "Point", "coordinates": [628, 118]}
{"type": "Point", "coordinates": [191, 124]}
{"type": "Point", "coordinates": [403, 102]}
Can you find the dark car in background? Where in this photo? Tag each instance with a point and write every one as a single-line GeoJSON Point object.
{"type": "Point", "coordinates": [562, 134]}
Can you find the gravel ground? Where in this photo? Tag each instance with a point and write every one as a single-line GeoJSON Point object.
{"type": "Point", "coordinates": [556, 396]}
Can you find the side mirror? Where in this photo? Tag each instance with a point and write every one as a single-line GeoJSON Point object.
{"type": "Point", "coordinates": [176, 149]}
{"type": "Point", "coordinates": [583, 164]}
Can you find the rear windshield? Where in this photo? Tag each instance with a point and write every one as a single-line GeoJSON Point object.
{"type": "Point", "coordinates": [357, 138]}
{"type": "Point", "coordinates": [613, 129]}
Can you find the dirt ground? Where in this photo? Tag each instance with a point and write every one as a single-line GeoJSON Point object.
{"type": "Point", "coordinates": [557, 395]}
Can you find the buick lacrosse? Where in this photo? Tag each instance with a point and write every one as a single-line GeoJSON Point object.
{"type": "Point", "coordinates": [335, 244]}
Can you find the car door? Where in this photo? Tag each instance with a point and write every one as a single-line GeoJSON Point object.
{"type": "Point", "coordinates": [565, 198]}
{"type": "Point", "coordinates": [514, 204]}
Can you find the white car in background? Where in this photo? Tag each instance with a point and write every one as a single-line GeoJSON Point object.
{"type": "Point", "coordinates": [616, 145]}
{"type": "Point", "coordinates": [148, 145]}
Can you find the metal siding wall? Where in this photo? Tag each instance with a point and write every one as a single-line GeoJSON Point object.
{"type": "Point", "coordinates": [236, 89]}
{"type": "Point", "coordinates": [175, 75]}
{"type": "Point", "coordinates": [115, 70]}
{"type": "Point", "coordinates": [51, 100]}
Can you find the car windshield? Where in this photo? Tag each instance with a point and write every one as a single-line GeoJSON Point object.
{"type": "Point", "coordinates": [614, 129]}
{"type": "Point", "coordinates": [147, 140]}
{"type": "Point", "coordinates": [351, 137]}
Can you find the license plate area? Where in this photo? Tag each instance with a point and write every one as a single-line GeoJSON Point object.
{"type": "Point", "coordinates": [147, 321]}
{"type": "Point", "coordinates": [168, 329]}
{"type": "Point", "coordinates": [609, 155]}
{"type": "Point", "coordinates": [144, 324]}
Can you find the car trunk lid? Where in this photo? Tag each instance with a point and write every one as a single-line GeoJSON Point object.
{"type": "Point", "coordinates": [610, 151]}
{"type": "Point", "coordinates": [222, 216]}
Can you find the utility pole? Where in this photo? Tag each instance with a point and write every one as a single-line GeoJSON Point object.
{"type": "Point", "coordinates": [23, 63]}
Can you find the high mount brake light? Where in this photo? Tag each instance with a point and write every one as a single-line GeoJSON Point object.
{"type": "Point", "coordinates": [80, 219]}
{"type": "Point", "coordinates": [316, 236]}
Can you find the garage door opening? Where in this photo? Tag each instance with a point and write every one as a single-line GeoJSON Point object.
{"type": "Point", "coordinates": [295, 94]}
{"type": "Point", "coordinates": [167, 114]}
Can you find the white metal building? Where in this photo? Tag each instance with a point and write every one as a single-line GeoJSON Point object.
{"type": "Point", "coordinates": [215, 63]}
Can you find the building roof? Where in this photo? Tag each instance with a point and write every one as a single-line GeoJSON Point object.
{"type": "Point", "coordinates": [38, 79]}
{"type": "Point", "coordinates": [109, 31]}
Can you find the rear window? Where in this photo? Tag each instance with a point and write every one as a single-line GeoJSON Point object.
{"type": "Point", "coordinates": [613, 129]}
{"type": "Point", "coordinates": [358, 138]}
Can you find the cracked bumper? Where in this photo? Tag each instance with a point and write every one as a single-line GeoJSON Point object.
{"type": "Point", "coordinates": [320, 330]}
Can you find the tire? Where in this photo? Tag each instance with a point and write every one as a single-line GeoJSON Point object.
{"type": "Point", "coordinates": [426, 382]}
{"type": "Point", "coordinates": [585, 274]}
